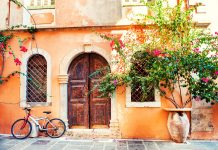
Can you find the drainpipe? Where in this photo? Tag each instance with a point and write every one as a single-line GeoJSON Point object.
{"type": "Point", "coordinates": [9, 14]}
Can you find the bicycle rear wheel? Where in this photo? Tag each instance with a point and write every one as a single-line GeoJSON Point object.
{"type": "Point", "coordinates": [21, 129]}
{"type": "Point", "coordinates": [55, 128]}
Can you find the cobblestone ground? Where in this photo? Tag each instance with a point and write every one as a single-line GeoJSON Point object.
{"type": "Point", "coordinates": [44, 143]}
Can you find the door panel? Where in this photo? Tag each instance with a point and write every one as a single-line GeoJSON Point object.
{"type": "Point", "coordinates": [87, 110]}
{"type": "Point", "coordinates": [78, 101]}
{"type": "Point", "coordinates": [100, 107]}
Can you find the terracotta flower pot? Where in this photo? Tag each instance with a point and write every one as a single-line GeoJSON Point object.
{"type": "Point", "coordinates": [178, 126]}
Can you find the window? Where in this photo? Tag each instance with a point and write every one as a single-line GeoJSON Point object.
{"type": "Point", "coordinates": [41, 4]}
{"type": "Point", "coordinates": [36, 79]}
{"type": "Point", "coordinates": [137, 93]}
{"type": "Point", "coordinates": [133, 2]}
{"type": "Point", "coordinates": [136, 96]}
{"type": "Point", "coordinates": [35, 89]}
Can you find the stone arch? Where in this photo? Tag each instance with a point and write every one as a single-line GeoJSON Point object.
{"type": "Point", "coordinates": [65, 63]}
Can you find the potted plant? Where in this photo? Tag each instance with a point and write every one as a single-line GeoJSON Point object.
{"type": "Point", "coordinates": [174, 57]}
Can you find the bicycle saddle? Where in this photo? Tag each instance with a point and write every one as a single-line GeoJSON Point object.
{"type": "Point", "coordinates": [47, 112]}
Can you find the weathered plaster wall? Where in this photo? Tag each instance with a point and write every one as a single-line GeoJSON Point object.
{"type": "Point", "coordinates": [58, 44]}
{"type": "Point", "coordinates": [87, 12]}
{"type": "Point", "coordinates": [16, 14]}
{"type": "Point", "coordinates": [146, 123]}
{"type": "Point", "coordinates": [4, 13]}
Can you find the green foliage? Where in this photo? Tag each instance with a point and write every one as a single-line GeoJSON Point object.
{"type": "Point", "coordinates": [172, 52]}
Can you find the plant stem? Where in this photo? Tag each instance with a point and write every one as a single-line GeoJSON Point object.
{"type": "Point", "coordinates": [3, 62]}
{"type": "Point", "coordinates": [187, 101]}
{"type": "Point", "coordinates": [180, 92]}
{"type": "Point", "coordinates": [172, 101]}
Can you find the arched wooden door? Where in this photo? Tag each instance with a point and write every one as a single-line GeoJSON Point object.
{"type": "Point", "coordinates": [87, 109]}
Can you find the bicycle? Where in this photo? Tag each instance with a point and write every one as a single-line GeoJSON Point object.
{"type": "Point", "coordinates": [22, 128]}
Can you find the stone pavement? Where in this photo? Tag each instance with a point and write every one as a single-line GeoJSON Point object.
{"type": "Point", "coordinates": [67, 143]}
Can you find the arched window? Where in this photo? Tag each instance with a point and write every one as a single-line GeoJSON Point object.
{"type": "Point", "coordinates": [36, 79]}
{"type": "Point", "coordinates": [35, 85]}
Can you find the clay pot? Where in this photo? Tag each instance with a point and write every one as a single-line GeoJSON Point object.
{"type": "Point", "coordinates": [178, 126]}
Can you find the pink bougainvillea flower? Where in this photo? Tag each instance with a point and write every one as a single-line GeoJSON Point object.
{"type": "Point", "coordinates": [121, 43]}
{"type": "Point", "coordinates": [2, 46]}
{"type": "Point", "coordinates": [11, 53]}
{"type": "Point", "coordinates": [196, 50]}
{"type": "Point", "coordinates": [23, 49]}
{"type": "Point", "coordinates": [156, 52]}
{"type": "Point", "coordinates": [17, 61]}
{"type": "Point", "coordinates": [216, 33]}
{"type": "Point", "coordinates": [216, 72]}
{"type": "Point", "coordinates": [115, 82]}
{"type": "Point", "coordinates": [197, 98]}
{"type": "Point", "coordinates": [205, 80]}
{"type": "Point", "coordinates": [112, 44]}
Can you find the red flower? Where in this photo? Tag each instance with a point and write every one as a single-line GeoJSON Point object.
{"type": "Point", "coordinates": [11, 53]}
{"type": "Point", "coordinates": [17, 61]}
{"type": "Point", "coordinates": [156, 52]}
{"type": "Point", "coordinates": [112, 44]}
{"type": "Point", "coordinates": [23, 49]}
{"type": "Point", "coordinates": [205, 80]}
{"type": "Point", "coordinates": [216, 72]}
{"type": "Point", "coordinates": [216, 33]}
{"type": "Point", "coordinates": [196, 50]}
{"type": "Point", "coordinates": [121, 43]}
{"type": "Point", "coordinates": [2, 46]}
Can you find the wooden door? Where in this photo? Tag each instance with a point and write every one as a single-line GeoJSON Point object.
{"type": "Point", "coordinates": [86, 109]}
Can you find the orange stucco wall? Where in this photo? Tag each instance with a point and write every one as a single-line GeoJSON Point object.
{"type": "Point", "coordinates": [58, 44]}
{"type": "Point", "coordinates": [146, 123]}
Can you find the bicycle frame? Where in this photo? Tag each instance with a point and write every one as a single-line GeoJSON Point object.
{"type": "Point", "coordinates": [36, 120]}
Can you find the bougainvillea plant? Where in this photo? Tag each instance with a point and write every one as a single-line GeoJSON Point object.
{"type": "Point", "coordinates": [6, 49]}
{"type": "Point", "coordinates": [171, 51]}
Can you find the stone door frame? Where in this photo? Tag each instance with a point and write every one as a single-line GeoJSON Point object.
{"type": "Point", "coordinates": [63, 81]}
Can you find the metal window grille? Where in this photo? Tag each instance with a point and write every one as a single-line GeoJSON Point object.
{"type": "Point", "coordinates": [137, 93]}
{"type": "Point", "coordinates": [37, 79]}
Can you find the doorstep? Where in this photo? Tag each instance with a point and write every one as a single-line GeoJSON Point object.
{"type": "Point", "coordinates": [89, 133]}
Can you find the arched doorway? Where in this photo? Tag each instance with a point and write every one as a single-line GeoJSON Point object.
{"type": "Point", "coordinates": [87, 109]}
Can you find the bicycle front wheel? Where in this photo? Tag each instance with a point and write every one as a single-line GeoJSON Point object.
{"type": "Point", "coordinates": [55, 128]}
{"type": "Point", "coordinates": [21, 129]}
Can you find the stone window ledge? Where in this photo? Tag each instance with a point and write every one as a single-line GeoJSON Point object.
{"type": "Point", "coordinates": [153, 104]}
{"type": "Point", "coordinates": [40, 7]}
{"type": "Point", "coordinates": [143, 104]}
{"type": "Point", "coordinates": [35, 104]}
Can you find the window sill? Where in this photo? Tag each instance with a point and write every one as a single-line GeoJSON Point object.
{"type": "Point", "coordinates": [143, 104]}
{"type": "Point", "coordinates": [40, 7]}
{"type": "Point", "coordinates": [35, 104]}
